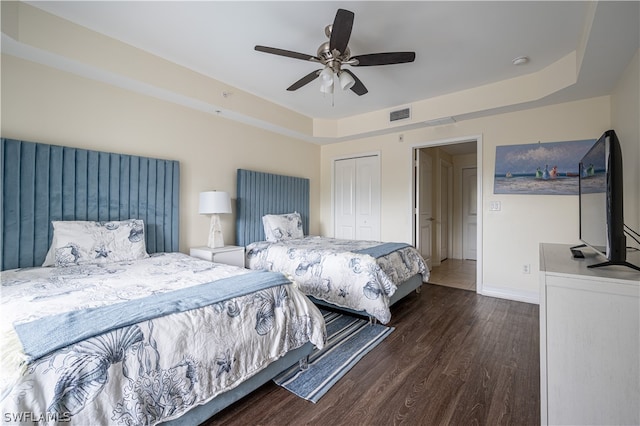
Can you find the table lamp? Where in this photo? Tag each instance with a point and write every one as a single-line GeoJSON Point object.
{"type": "Point", "coordinates": [215, 203]}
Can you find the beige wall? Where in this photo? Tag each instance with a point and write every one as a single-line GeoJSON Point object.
{"type": "Point", "coordinates": [625, 119]}
{"type": "Point", "coordinates": [511, 236]}
{"type": "Point", "coordinates": [41, 104]}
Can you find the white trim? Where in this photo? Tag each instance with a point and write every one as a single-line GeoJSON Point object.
{"type": "Point", "coordinates": [510, 294]}
{"type": "Point", "coordinates": [480, 252]}
{"type": "Point", "coordinates": [479, 150]}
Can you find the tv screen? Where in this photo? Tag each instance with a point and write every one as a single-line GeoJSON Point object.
{"type": "Point", "coordinates": [601, 208]}
{"type": "Point", "coordinates": [593, 197]}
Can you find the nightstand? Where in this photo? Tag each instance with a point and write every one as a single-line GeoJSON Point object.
{"type": "Point", "coordinates": [230, 255]}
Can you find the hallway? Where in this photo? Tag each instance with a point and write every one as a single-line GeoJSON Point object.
{"type": "Point", "coordinates": [455, 273]}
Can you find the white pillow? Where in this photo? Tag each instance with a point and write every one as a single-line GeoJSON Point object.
{"type": "Point", "coordinates": [82, 242]}
{"type": "Point", "coordinates": [278, 227]}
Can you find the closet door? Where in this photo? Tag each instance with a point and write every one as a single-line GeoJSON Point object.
{"type": "Point", "coordinates": [368, 198]}
{"type": "Point", "coordinates": [357, 198]}
{"type": "Point", "coordinates": [345, 199]}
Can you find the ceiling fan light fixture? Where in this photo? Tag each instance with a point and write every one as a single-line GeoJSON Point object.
{"type": "Point", "coordinates": [346, 81]}
{"type": "Point", "coordinates": [327, 76]}
{"type": "Point", "coordinates": [326, 88]}
{"type": "Point", "coordinates": [326, 80]}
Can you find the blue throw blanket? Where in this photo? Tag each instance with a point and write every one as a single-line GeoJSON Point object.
{"type": "Point", "coordinates": [44, 335]}
{"type": "Point", "coordinates": [382, 249]}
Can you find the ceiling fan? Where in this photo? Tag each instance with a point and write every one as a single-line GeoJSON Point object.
{"type": "Point", "coordinates": [335, 53]}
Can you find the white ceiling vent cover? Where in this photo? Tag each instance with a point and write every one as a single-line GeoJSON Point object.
{"type": "Point", "coordinates": [400, 114]}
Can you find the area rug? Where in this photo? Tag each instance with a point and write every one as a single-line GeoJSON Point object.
{"type": "Point", "coordinates": [348, 340]}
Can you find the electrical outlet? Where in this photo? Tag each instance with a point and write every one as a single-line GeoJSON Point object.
{"type": "Point", "coordinates": [526, 268]}
{"type": "Point", "coordinates": [495, 206]}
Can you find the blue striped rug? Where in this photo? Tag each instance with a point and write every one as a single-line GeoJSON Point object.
{"type": "Point", "coordinates": [348, 340]}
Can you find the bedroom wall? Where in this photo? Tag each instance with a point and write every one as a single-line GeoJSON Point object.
{"type": "Point", "coordinates": [43, 104]}
{"type": "Point", "coordinates": [511, 236]}
{"type": "Point", "coordinates": [625, 110]}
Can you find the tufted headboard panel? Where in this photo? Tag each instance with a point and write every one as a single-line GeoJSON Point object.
{"type": "Point", "coordinates": [42, 183]}
{"type": "Point", "coordinates": [261, 193]}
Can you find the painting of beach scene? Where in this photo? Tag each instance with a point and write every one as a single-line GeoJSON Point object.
{"type": "Point", "coordinates": [540, 168]}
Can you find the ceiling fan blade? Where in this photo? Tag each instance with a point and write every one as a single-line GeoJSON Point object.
{"type": "Point", "coordinates": [287, 53]}
{"type": "Point", "coordinates": [384, 58]}
{"type": "Point", "coordinates": [304, 80]}
{"type": "Point", "coordinates": [341, 30]}
{"type": "Point", "coordinates": [358, 88]}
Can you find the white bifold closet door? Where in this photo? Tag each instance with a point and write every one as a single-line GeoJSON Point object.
{"type": "Point", "coordinates": [357, 198]}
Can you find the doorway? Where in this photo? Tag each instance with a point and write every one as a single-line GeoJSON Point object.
{"type": "Point", "coordinates": [447, 214]}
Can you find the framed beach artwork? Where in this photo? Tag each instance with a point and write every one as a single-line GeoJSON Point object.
{"type": "Point", "coordinates": [539, 168]}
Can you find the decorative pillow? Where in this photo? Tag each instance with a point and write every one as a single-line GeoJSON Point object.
{"type": "Point", "coordinates": [279, 227]}
{"type": "Point", "coordinates": [82, 242]}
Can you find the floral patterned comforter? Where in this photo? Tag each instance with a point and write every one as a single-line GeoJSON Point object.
{"type": "Point", "coordinates": [150, 371]}
{"type": "Point", "coordinates": [332, 270]}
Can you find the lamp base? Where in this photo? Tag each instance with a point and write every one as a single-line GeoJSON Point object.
{"type": "Point", "coordinates": [215, 233]}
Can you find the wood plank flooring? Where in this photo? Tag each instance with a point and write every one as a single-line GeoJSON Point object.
{"type": "Point", "coordinates": [456, 273]}
{"type": "Point", "coordinates": [455, 358]}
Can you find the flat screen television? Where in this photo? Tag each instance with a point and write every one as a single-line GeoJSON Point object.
{"type": "Point", "coordinates": [601, 208]}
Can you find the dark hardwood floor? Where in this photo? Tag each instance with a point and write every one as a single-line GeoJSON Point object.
{"type": "Point", "coordinates": [455, 358]}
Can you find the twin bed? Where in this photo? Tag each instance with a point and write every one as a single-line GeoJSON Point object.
{"type": "Point", "coordinates": [120, 328]}
{"type": "Point", "coordinates": [362, 277]}
{"type": "Point", "coordinates": [108, 334]}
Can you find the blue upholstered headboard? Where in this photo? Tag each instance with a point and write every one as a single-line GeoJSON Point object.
{"type": "Point", "coordinates": [261, 193]}
{"type": "Point", "coordinates": [41, 183]}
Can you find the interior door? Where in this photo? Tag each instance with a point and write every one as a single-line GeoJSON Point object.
{"type": "Point", "coordinates": [424, 208]}
{"type": "Point", "coordinates": [469, 213]}
{"type": "Point", "coordinates": [357, 198]}
{"type": "Point", "coordinates": [344, 199]}
{"type": "Point", "coordinates": [367, 193]}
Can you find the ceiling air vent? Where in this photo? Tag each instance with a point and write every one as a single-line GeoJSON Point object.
{"type": "Point", "coordinates": [401, 114]}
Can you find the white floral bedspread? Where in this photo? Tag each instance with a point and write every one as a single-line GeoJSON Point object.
{"type": "Point", "coordinates": [151, 371]}
{"type": "Point", "coordinates": [330, 269]}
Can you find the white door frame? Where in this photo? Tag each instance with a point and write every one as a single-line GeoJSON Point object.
{"type": "Point", "coordinates": [441, 142]}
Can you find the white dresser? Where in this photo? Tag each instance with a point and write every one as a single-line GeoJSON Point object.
{"type": "Point", "coordinates": [589, 340]}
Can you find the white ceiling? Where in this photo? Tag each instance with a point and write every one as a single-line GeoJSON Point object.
{"type": "Point", "coordinates": [458, 45]}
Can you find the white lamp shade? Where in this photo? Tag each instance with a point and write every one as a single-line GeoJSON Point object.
{"type": "Point", "coordinates": [346, 81]}
{"type": "Point", "coordinates": [214, 202]}
{"type": "Point", "coordinates": [327, 76]}
{"type": "Point", "coordinates": [324, 88]}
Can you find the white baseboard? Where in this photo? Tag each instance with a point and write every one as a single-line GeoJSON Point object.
{"type": "Point", "coordinates": [510, 294]}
